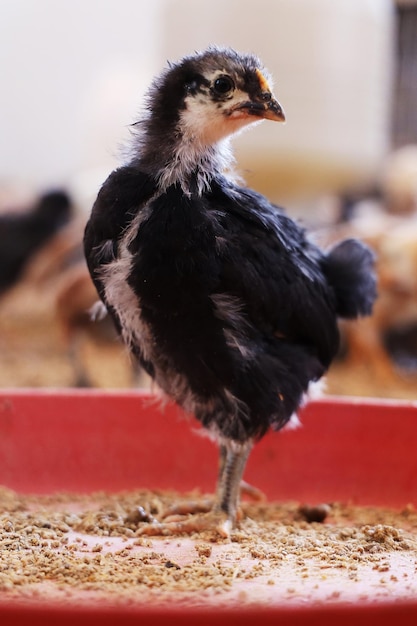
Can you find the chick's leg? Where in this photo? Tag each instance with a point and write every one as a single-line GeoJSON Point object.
{"type": "Point", "coordinates": [233, 458]}
{"type": "Point", "coordinates": [221, 518]}
{"type": "Point", "coordinates": [232, 462]}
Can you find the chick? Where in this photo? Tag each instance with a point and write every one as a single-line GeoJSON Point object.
{"type": "Point", "coordinates": [24, 234]}
{"type": "Point", "coordinates": [220, 296]}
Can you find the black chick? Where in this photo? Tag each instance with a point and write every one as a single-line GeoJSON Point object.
{"type": "Point", "coordinates": [222, 298]}
{"type": "Point", "coordinates": [23, 234]}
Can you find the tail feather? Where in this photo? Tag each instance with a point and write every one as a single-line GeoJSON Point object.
{"type": "Point", "coordinates": [349, 268]}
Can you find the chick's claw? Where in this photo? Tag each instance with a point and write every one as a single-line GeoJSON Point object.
{"type": "Point", "coordinates": [213, 521]}
{"type": "Point", "coordinates": [252, 492]}
{"type": "Point", "coordinates": [187, 508]}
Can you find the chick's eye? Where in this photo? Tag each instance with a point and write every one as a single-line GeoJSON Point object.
{"type": "Point", "coordinates": [223, 85]}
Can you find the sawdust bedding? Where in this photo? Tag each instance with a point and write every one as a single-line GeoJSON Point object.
{"type": "Point", "coordinates": [90, 548]}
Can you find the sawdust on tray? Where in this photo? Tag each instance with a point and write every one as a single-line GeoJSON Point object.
{"type": "Point", "coordinates": [88, 548]}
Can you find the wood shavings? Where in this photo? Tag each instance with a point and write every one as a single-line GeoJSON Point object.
{"type": "Point", "coordinates": [88, 548]}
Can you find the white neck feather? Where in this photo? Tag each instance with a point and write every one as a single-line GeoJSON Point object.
{"type": "Point", "coordinates": [193, 152]}
{"type": "Point", "coordinates": [191, 159]}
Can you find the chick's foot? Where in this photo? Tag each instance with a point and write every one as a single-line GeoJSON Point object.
{"type": "Point", "coordinates": [213, 520]}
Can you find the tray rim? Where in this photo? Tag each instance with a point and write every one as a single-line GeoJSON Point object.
{"type": "Point", "coordinates": [22, 613]}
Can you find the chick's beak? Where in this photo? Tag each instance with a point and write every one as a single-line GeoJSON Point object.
{"type": "Point", "coordinates": [273, 111]}
{"type": "Point", "coordinates": [272, 108]}
{"type": "Point", "coordinates": [263, 107]}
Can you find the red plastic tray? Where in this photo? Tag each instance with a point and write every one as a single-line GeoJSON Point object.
{"type": "Point", "coordinates": [82, 441]}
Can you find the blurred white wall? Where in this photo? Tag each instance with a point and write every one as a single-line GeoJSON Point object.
{"type": "Point", "coordinates": [72, 73]}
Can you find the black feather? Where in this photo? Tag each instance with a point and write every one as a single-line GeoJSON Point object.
{"type": "Point", "coordinates": [349, 268]}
